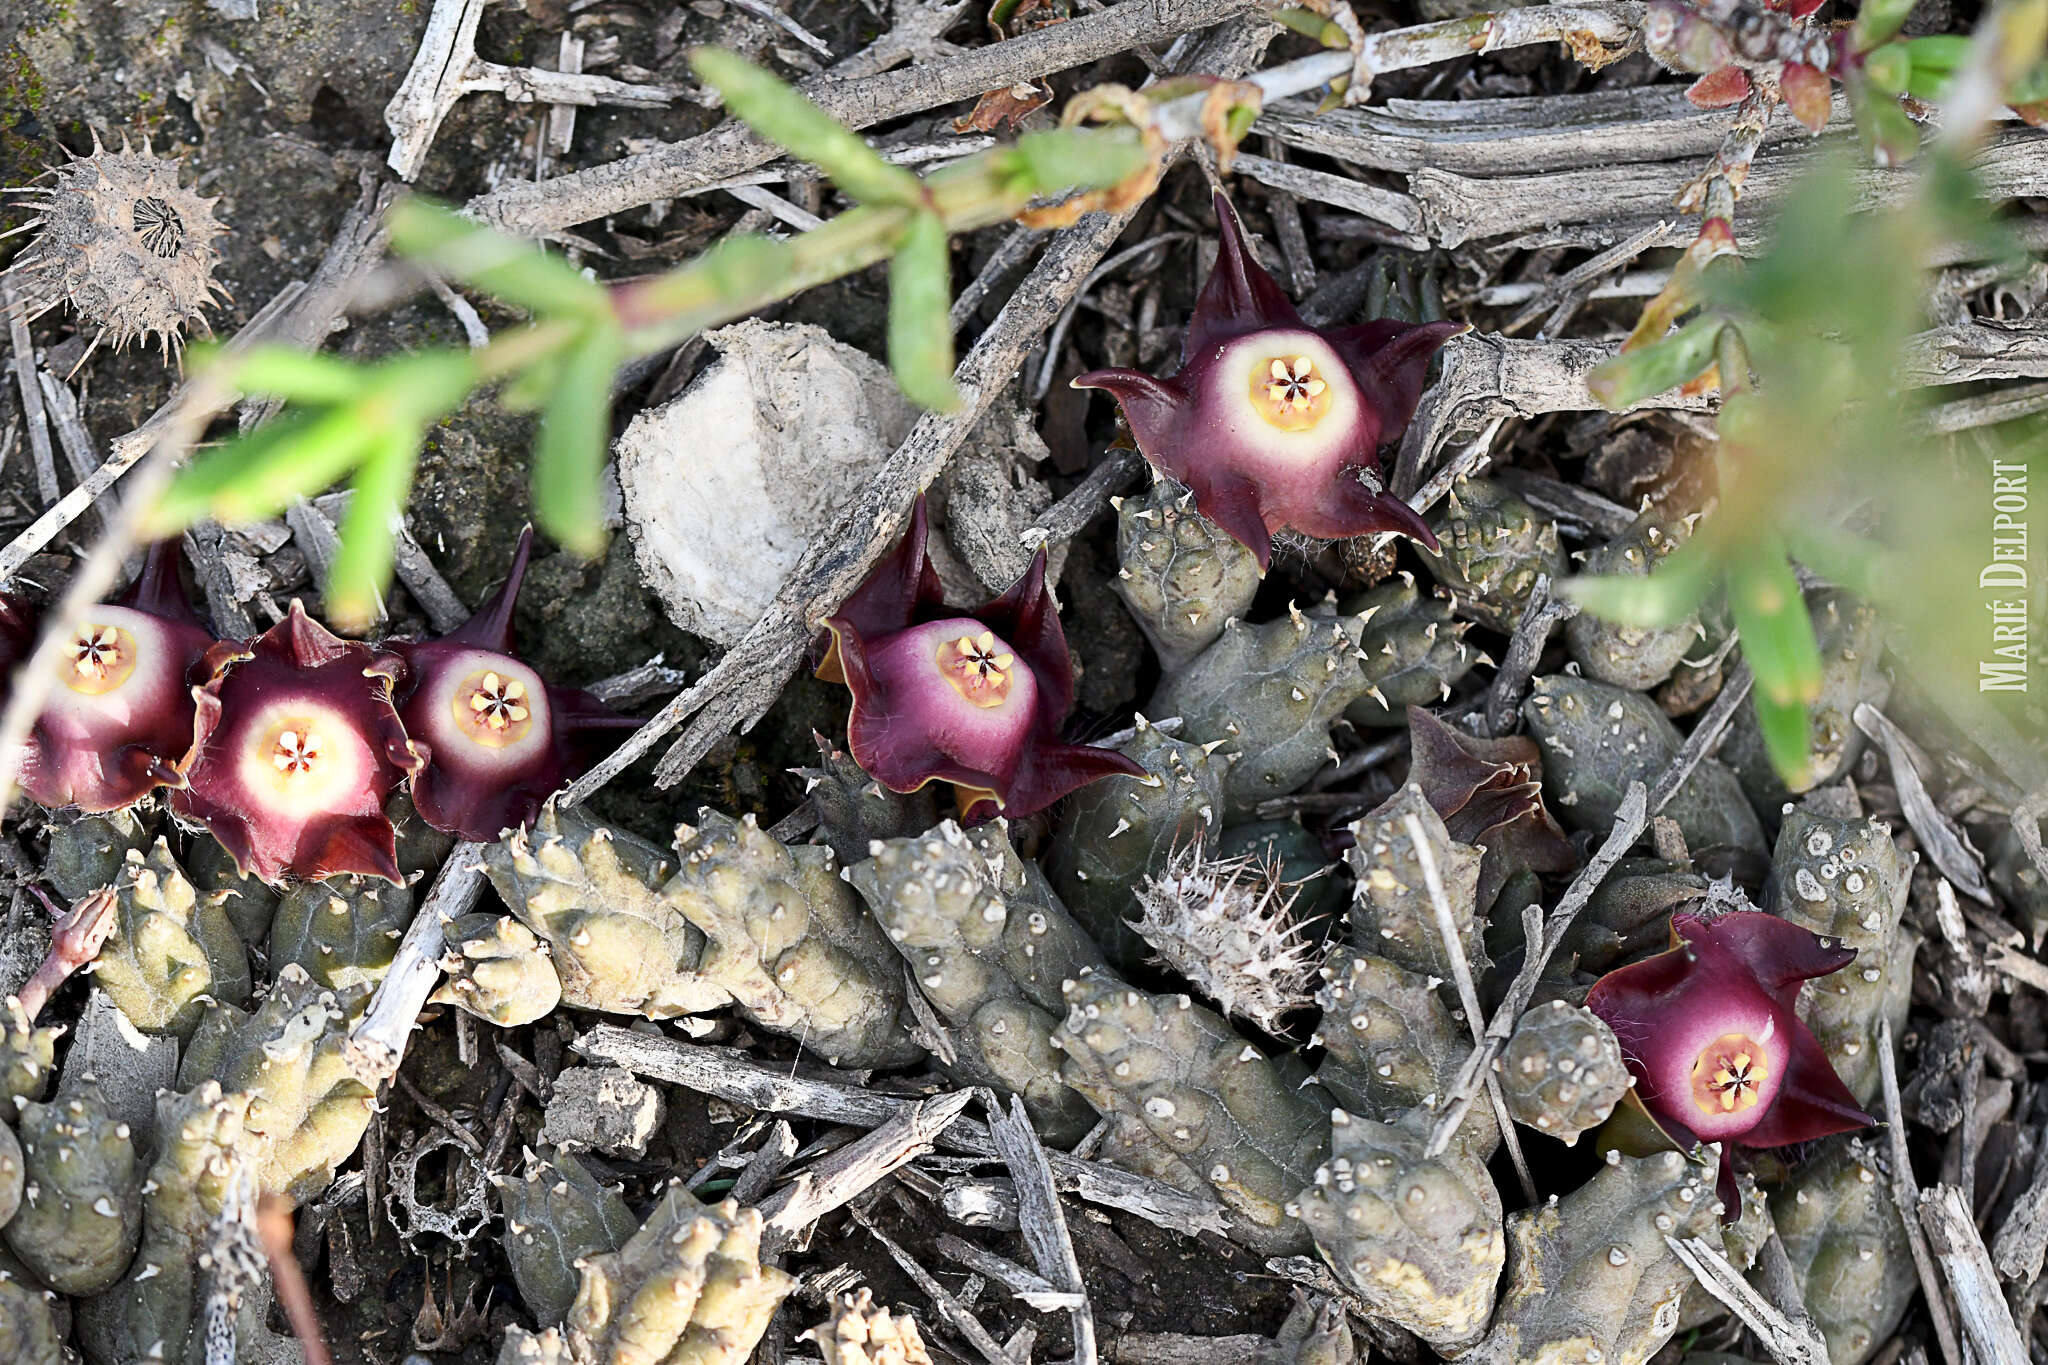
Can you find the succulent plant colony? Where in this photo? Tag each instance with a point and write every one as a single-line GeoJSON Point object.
{"type": "Point", "coordinates": [1185, 972]}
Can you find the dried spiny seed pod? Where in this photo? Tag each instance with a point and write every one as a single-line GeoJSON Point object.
{"type": "Point", "coordinates": [498, 971]}
{"type": "Point", "coordinates": [1851, 638]}
{"type": "Point", "coordinates": [1392, 912]}
{"type": "Point", "coordinates": [1845, 879]}
{"type": "Point", "coordinates": [170, 951]}
{"type": "Point", "coordinates": [592, 894]}
{"type": "Point", "coordinates": [1562, 1071]}
{"type": "Point", "coordinates": [1180, 573]}
{"type": "Point", "coordinates": [157, 1312]}
{"type": "Point", "coordinates": [689, 1286]}
{"type": "Point", "coordinates": [1228, 926]}
{"type": "Point", "coordinates": [862, 1332]}
{"type": "Point", "coordinates": [1411, 649]}
{"type": "Point", "coordinates": [1390, 1044]}
{"type": "Point", "coordinates": [1597, 739]}
{"type": "Point", "coordinates": [27, 1056]}
{"type": "Point", "coordinates": [29, 1334]}
{"type": "Point", "coordinates": [1848, 1249]}
{"type": "Point", "coordinates": [1114, 832]}
{"type": "Point", "coordinates": [854, 810]}
{"type": "Point", "coordinates": [1418, 1238]}
{"type": "Point", "coordinates": [1592, 1278]}
{"type": "Point", "coordinates": [81, 1211]}
{"type": "Point", "coordinates": [555, 1215]}
{"type": "Point", "coordinates": [1191, 1103]}
{"type": "Point", "coordinates": [343, 930]}
{"type": "Point", "coordinates": [1270, 693]}
{"type": "Point", "coordinates": [305, 1110]}
{"type": "Point", "coordinates": [124, 244]}
{"type": "Point", "coordinates": [1637, 657]}
{"type": "Point", "coordinates": [1492, 545]}
{"type": "Point", "coordinates": [989, 961]}
{"type": "Point", "coordinates": [789, 943]}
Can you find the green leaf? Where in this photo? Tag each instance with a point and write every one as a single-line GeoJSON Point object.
{"type": "Point", "coordinates": [568, 454]}
{"type": "Point", "coordinates": [1664, 597]}
{"type": "Point", "coordinates": [255, 476]}
{"type": "Point", "coordinates": [299, 376]}
{"type": "Point", "coordinates": [1889, 69]}
{"type": "Point", "coordinates": [920, 320]}
{"type": "Point", "coordinates": [1058, 159]}
{"type": "Point", "coordinates": [784, 116]}
{"type": "Point", "coordinates": [1888, 135]}
{"type": "Point", "coordinates": [1777, 632]}
{"type": "Point", "coordinates": [1877, 21]}
{"type": "Point", "coordinates": [1942, 52]}
{"type": "Point", "coordinates": [362, 567]}
{"type": "Point", "coordinates": [1787, 732]}
{"type": "Point", "coordinates": [1663, 364]}
{"type": "Point", "coordinates": [508, 269]}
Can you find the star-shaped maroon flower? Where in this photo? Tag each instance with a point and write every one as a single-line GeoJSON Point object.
{"type": "Point", "coordinates": [1711, 1032]}
{"type": "Point", "coordinates": [119, 719]}
{"type": "Point", "coordinates": [496, 738]}
{"type": "Point", "coordinates": [296, 748]}
{"type": "Point", "coordinates": [974, 697]}
{"type": "Point", "coordinates": [1272, 423]}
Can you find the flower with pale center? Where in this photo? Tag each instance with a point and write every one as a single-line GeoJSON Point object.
{"type": "Point", "coordinates": [119, 720]}
{"type": "Point", "coordinates": [496, 738]}
{"type": "Point", "coordinates": [971, 698]}
{"type": "Point", "coordinates": [1712, 1034]}
{"type": "Point", "coordinates": [1272, 424]}
{"type": "Point", "coordinates": [297, 750]}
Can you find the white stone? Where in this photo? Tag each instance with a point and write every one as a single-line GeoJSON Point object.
{"type": "Point", "coordinates": [725, 485]}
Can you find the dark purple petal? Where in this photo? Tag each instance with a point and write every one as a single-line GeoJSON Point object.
{"type": "Point", "coordinates": [903, 589]}
{"type": "Point", "coordinates": [1272, 424]}
{"type": "Point", "coordinates": [296, 748]}
{"type": "Point", "coordinates": [119, 720]}
{"type": "Point", "coordinates": [1239, 296]}
{"type": "Point", "coordinates": [1711, 1033]}
{"type": "Point", "coordinates": [1489, 793]}
{"type": "Point", "coordinates": [974, 699]}
{"type": "Point", "coordinates": [495, 738]}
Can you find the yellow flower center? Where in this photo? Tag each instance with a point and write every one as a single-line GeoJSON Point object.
{"type": "Point", "coordinates": [493, 709]}
{"type": "Point", "coordinates": [1289, 393]}
{"type": "Point", "coordinates": [99, 659]}
{"type": "Point", "coordinates": [1728, 1075]}
{"type": "Point", "coordinates": [975, 668]}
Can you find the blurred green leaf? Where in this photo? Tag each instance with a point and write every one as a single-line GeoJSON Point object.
{"type": "Point", "coordinates": [1889, 69]}
{"type": "Point", "coordinates": [1787, 733]}
{"type": "Point", "coordinates": [513, 271]}
{"type": "Point", "coordinates": [1877, 21]}
{"type": "Point", "coordinates": [1663, 364]}
{"type": "Point", "coordinates": [1777, 632]}
{"type": "Point", "coordinates": [298, 376]}
{"type": "Point", "coordinates": [785, 117]}
{"type": "Point", "coordinates": [1663, 598]}
{"type": "Point", "coordinates": [362, 567]}
{"type": "Point", "coordinates": [1889, 137]}
{"type": "Point", "coordinates": [568, 454]}
{"type": "Point", "coordinates": [920, 316]}
{"type": "Point", "coordinates": [1057, 159]}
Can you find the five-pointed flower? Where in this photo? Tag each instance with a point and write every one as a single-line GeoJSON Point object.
{"type": "Point", "coordinates": [119, 719]}
{"type": "Point", "coordinates": [1271, 423]}
{"type": "Point", "coordinates": [295, 749]}
{"type": "Point", "coordinates": [496, 739]}
{"type": "Point", "coordinates": [1711, 1032]}
{"type": "Point", "coordinates": [971, 697]}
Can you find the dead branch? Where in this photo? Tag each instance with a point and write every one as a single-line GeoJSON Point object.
{"type": "Point", "coordinates": [854, 1168]}
{"type": "Point", "coordinates": [1039, 1215]}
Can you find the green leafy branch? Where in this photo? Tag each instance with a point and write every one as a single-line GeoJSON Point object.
{"type": "Point", "coordinates": [366, 421]}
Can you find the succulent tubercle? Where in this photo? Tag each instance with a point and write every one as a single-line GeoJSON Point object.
{"type": "Point", "coordinates": [496, 739]}
{"type": "Point", "coordinates": [974, 697]}
{"type": "Point", "coordinates": [1272, 423]}
{"type": "Point", "coordinates": [119, 719]}
{"type": "Point", "coordinates": [296, 749]}
{"type": "Point", "coordinates": [1711, 1032]}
